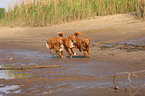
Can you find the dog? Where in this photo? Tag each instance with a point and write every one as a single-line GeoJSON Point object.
{"type": "Point", "coordinates": [60, 34]}
{"type": "Point", "coordinates": [56, 44]}
{"type": "Point", "coordinates": [68, 44]}
{"type": "Point", "coordinates": [77, 40]}
{"type": "Point", "coordinates": [85, 46]}
{"type": "Point", "coordinates": [82, 45]}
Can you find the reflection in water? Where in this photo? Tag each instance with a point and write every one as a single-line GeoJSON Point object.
{"type": "Point", "coordinates": [10, 74]}
{"type": "Point", "coordinates": [136, 41]}
{"type": "Point", "coordinates": [8, 89]}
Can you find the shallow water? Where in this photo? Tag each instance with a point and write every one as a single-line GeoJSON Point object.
{"type": "Point", "coordinates": [9, 89]}
{"type": "Point", "coordinates": [137, 44]}
{"type": "Point", "coordinates": [12, 74]}
{"type": "Point", "coordinates": [75, 73]}
{"type": "Point", "coordinates": [73, 70]}
{"type": "Point", "coordinates": [136, 41]}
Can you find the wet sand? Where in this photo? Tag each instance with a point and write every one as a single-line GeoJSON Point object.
{"type": "Point", "coordinates": [117, 45]}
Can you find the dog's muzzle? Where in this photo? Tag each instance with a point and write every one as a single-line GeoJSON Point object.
{"type": "Point", "coordinates": [87, 44]}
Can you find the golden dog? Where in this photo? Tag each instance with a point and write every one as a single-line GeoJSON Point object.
{"type": "Point", "coordinates": [82, 44]}
{"type": "Point", "coordinates": [77, 40]}
{"type": "Point", "coordinates": [85, 46]}
{"type": "Point", "coordinates": [56, 44]}
{"type": "Point", "coordinates": [68, 44]}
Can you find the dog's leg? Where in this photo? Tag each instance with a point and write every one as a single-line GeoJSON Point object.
{"type": "Point", "coordinates": [75, 52]}
{"type": "Point", "coordinates": [59, 54]}
{"type": "Point", "coordinates": [51, 51]}
{"type": "Point", "coordinates": [86, 54]}
{"type": "Point", "coordinates": [69, 51]}
{"type": "Point", "coordinates": [49, 47]}
{"type": "Point", "coordinates": [72, 51]}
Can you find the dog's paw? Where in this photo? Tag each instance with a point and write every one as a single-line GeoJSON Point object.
{"type": "Point", "coordinates": [63, 57]}
{"type": "Point", "coordinates": [75, 54]}
{"type": "Point", "coordinates": [88, 56]}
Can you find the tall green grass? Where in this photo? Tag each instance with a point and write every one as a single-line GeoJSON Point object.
{"type": "Point", "coordinates": [51, 12]}
{"type": "Point", "coordinates": [2, 10]}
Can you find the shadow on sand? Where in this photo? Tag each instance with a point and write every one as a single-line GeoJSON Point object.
{"type": "Point", "coordinates": [66, 57]}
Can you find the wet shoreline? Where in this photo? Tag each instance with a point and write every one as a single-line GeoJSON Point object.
{"type": "Point", "coordinates": [76, 73]}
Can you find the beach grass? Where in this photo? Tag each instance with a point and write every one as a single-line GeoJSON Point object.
{"type": "Point", "coordinates": [52, 12]}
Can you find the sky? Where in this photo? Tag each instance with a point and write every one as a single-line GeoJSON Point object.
{"type": "Point", "coordinates": [4, 3]}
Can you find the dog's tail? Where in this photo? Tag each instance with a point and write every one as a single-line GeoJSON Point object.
{"type": "Point", "coordinates": [77, 33]}
{"type": "Point", "coordinates": [47, 45]}
{"type": "Point", "coordinates": [60, 34]}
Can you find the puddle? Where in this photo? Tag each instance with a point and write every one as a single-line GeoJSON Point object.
{"type": "Point", "coordinates": [9, 89]}
{"type": "Point", "coordinates": [27, 54]}
{"type": "Point", "coordinates": [129, 45]}
{"type": "Point", "coordinates": [92, 85]}
{"type": "Point", "coordinates": [66, 57]}
{"type": "Point", "coordinates": [11, 74]}
{"type": "Point", "coordinates": [136, 41]}
{"type": "Point", "coordinates": [67, 86]}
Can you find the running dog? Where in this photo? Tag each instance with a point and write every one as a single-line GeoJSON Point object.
{"type": "Point", "coordinates": [68, 44]}
{"type": "Point", "coordinates": [77, 41]}
{"type": "Point", "coordinates": [85, 46]}
{"type": "Point", "coordinates": [82, 45]}
{"type": "Point", "coordinates": [56, 44]}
